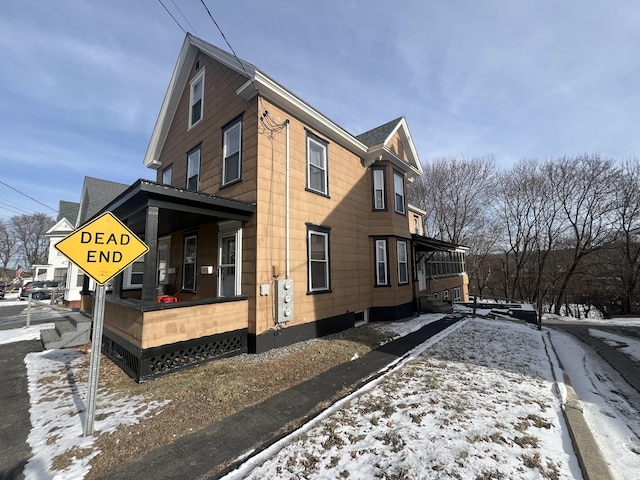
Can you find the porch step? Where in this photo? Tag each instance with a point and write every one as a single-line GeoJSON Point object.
{"type": "Point", "coordinates": [430, 304]}
{"type": "Point", "coordinates": [73, 331]}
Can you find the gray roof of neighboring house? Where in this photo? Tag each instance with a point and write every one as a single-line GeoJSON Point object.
{"type": "Point", "coordinates": [379, 134]}
{"type": "Point", "coordinates": [68, 210]}
{"type": "Point", "coordinates": [96, 194]}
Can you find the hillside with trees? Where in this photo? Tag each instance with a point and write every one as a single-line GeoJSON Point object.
{"type": "Point", "coordinates": [557, 232]}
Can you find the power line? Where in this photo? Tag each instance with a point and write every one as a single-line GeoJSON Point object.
{"type": "Point", "coordinates": [13, 208]}
{"type": "Point", "coordinates": [174, 18]}
{"type": "Point", "coordinates": [229, 45]}
{"type": "Point", "coordinates": [30, 198]}
{"type": "Point", "coordinates": [185, 18]}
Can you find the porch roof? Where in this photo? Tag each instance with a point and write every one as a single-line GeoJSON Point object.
{"type": "Point", "coordinates": [180, 209]}
{"type": "Point", "coordinates": [428, 244]}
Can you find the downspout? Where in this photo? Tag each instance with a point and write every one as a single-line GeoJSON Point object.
{"type": "Point", "coordinates": [286, 218]}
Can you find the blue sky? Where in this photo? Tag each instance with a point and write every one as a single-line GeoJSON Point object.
{"type": "Point", "coordinates": [81, 82]}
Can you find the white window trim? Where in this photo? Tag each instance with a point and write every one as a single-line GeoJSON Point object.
{"type": "Point", "coordinates": [192, 84]}
{"type": "Point", "coordinates": [236, 125]}
{"type": "Point", "coordinates": [190, 156]}
{"type": "Point", "coordinates": [184, 262]}
{"type": "Point", "coordinates": [310, 260]}
{"type": "Point", "coordinates": [323, 169]}
{"type": "Point", "coordinates": [128, 273]}
{"type": "Point", "coordinates": [168, 170]}
{"type": "Point", "coordinates": [398, 190]}
{"type": "Point", "coordinates": [378, 186]}
{"type": "Point", "coordinates": [401, 281]}
{"type": "Point", "coordinates": [164, 242]}
{"type": "Point", "coordinates": [228, 229]}
{"type": "Point", "coordinates": [456, 294]}
{"type": "Point", "coordinates": [383, 261]}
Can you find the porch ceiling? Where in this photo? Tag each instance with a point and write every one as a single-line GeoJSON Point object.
{"type": "Point", "coordinates": [178, 209]}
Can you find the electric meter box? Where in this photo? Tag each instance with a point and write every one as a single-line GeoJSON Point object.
{"type": "Point", "coordinates": [284, 300]}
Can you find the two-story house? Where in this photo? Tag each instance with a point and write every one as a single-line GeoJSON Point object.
{"type": "Point", "coordinates": [267, 224]}
{"type": "Point", "coordinates": [57, 264]}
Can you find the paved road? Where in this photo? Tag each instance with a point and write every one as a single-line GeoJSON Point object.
{"type": "Point", "coordinates": [15, 316]}
{"type": "Point", "coordinates": [622, 363]}
{"type": "Point", "coordinates": [15, 423]}
{"type": "Point", "coordinates": [14, 405]}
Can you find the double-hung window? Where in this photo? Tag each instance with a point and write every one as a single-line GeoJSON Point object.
{"type": "Point", "coordinates": [134, 274]}
{"type": "Point", "coordinates": [318, 259]}
{"type": "Point", "coordinates": [231, 156]}
{"type": "Point", "coordinates": [167, 175]}
{"type": "Point", "coordinates": [379, 194]}
{"type": "Point", "coordinates": [193, 169]}
{"type": "Point", "coordinates": [196, 99]}
{"type": "Point", "coordinates": [381, 260]}
{"type": "Point", "coordinates": [403, 266]}
{"type": "Point", "coordinates": [398, 187]}
{"type": "Point", "coordinates": [316, 165]}
{"type": "Point", "coordinates": [189, 262]}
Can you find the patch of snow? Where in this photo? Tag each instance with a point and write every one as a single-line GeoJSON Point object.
{"type": "Point", "coordinates": [22, 334]}
{"type": "Point", "coordinates": [626, 345]}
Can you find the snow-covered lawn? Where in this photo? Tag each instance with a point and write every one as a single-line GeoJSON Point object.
{"type": "Point", "coordinates": [477, 401]}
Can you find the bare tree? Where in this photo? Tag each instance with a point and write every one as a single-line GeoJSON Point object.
{"type": "Point", "coordinates": [518, 194]}
{"type": "Point", "coordinates": [627, 244]}
{"type": "Point", "coordinates": [584, 186]}
{"type": "Point", "coordinates": [454, 191]}
{"type": "Point", "coordinates": [8, 247]}
{"type": "Point", "coordinates": [30, 234]}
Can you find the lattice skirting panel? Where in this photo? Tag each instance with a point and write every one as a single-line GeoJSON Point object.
{"type": "Point", "coordinates": [158, 361]}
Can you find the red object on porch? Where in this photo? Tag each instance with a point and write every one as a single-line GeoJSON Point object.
{"type": "Point", "coordinates": [167, 299]}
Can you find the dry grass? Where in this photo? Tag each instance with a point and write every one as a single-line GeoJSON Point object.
{"type": "Point", "coordinates": [206, 394]}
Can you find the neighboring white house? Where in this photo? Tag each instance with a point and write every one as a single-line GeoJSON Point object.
{"type": "Point", "coordinates": [57, 265]}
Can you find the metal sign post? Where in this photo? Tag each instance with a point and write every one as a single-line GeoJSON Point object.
{"type": "Point", "coordinates": [102, 248]}
{"type": "Point", "coordinates": [94, 366]}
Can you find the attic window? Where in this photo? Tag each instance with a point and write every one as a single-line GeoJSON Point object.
{"type": "Point", "coordinates": [197, 65]}
{"type": "Point", "coordinates": [196, 99]}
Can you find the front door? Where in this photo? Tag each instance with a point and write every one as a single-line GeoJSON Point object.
{"type": "Point", "coordinates": [227, 266]}
{"type": "Point", "coordinates": [163, 261]}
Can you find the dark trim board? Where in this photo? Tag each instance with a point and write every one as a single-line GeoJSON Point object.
{"type": "Point", "coordinates": [392, 313]}
{"type": "Point", "coordinates": [155, 362]}
{"type": "Point", "coordinates": [299, 333]}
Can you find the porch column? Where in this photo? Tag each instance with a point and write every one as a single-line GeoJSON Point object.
{"type": "Point", "coordinates": [150, 264]}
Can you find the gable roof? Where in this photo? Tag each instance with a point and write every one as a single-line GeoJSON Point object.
{"type": "Point", "coordinates": [379, 134]}
{"type": "Point", "coordinates": [377, 141]}
{"type": "Point", "coordinates": [61, 229]}
{"type": "Point", "coordinates": [258, 83]}
{"type": "Point", "coordinates": [68, 210]}
{"type": "Point", "coordinates": [96, 194]}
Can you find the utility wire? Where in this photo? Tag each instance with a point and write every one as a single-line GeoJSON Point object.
{"type": "Point", "coordinates": [174, 18]}
{"type": "Point", "coordinates": [229, 45]}
{"type": "Point", "coordinates": [185, 18]}
{"type": "Point", "coordinates": [30, 198]}
{"type": "Point", "coordinates": [13, 208]}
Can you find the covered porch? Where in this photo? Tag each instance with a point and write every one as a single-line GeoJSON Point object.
{"type": "Point", "coordinates": [181, 304]}
{"type": "Point", "coordinates": [439, 273]}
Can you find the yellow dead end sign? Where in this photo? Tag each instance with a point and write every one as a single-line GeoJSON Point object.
{"type": "Point", "coordinates": [102, 248]}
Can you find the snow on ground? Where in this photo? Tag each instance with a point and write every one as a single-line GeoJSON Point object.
{"type": "Point", "coordinates": [626, 345]}
{"type": "Point", "coordinates": [57, 413]}
{"type": "Point", "coordinates": [604, 397]}
{"type": "Point", "coordinates": [476, 401]}
{"type": "Point", "coordinates": [22, 334]}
